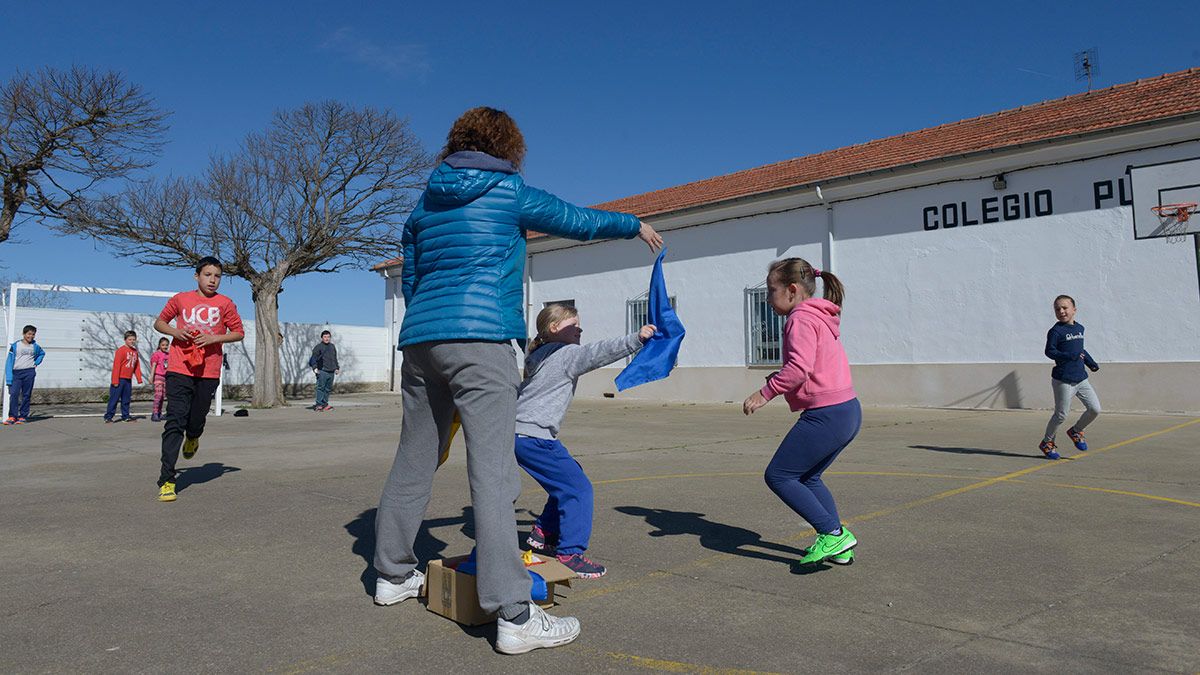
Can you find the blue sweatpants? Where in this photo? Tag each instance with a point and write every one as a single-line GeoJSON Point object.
{"type": "Point", "coordinates": [20, 391]}
{"type": "Point", "coordinates": [816, 439]}
{"type": "Point", "coordinates": [568, 510]}
{"type": "Point", "coordinates": [123, 392]}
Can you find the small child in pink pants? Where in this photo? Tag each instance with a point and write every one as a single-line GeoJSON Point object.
{"type": "Point", "coordinates": [158, 370]}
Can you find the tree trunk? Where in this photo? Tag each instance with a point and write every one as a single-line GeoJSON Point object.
{"type": "Point", "coordinates": [268, 378]}
{"type": "Point", "coordinates": [6, 220]}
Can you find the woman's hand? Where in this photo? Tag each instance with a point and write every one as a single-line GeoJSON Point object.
{"type": "Point", "coordinates": [652, 238]}
{"type": "Point", "coordinates": [647, 332]}
{"type": "Point", "coordinates": [753, 402]}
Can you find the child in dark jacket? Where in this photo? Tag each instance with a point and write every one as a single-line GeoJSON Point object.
{"type": "Point", "coordinates": [555, 363]}
{"type": "Point", "coordinates": [1064, 344]}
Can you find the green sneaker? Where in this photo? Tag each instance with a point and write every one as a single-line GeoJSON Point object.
{"type": "Point", "coordinates": [828, 545]}
{"type": "Point", "coordinates": [190, 446]}
{"type": "Point", "coordinates": [846, 558]}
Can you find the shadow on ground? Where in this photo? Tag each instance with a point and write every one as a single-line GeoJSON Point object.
{"type": "Point", "coordinates": [427, 547]}
{"type": "Point", "coordinates": [713, 536]}
{"type": "Point", "coordinates": [973, 451]}
{"type": "Point", "coordinates": [195, 475]}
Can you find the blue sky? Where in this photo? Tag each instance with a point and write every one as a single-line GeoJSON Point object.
{"type": "Point", "coordinates": [614, 99]}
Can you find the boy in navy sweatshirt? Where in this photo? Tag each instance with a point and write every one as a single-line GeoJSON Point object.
{"type": "Point", "coordinates": [1064, 344]}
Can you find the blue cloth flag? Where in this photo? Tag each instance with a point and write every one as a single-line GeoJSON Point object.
{"type": "Point", "coordinates": [658, 355]}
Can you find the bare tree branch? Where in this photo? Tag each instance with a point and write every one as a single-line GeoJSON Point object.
{"type": "Point", "coordinates": [62, 132]}
{"type": "Point", "coordinates": [325, 186]}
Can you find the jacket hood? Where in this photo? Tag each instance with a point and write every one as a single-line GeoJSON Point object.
{"type": "Point", "coordinates": [538, 356]}
{"type": "Point", "coordinates": [465, 176]}
{"type": "Point", "coordinates": [820, 309]}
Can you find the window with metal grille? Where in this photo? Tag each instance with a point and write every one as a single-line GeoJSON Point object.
{"type": "Point", "coordinates": [637, 311]}
{"type": "Point", "coordinates": [763, 329]}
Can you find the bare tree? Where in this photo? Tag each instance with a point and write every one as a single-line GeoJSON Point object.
{"type": "Point", "coordinates": [63, 132]}
{"type": "Point", "coordinates": [325, 186]}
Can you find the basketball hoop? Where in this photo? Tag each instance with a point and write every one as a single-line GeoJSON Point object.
{"type": "Point", "coordinates": [1173, 219]}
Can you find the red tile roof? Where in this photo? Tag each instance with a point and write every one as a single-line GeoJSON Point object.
{"type": "Point", "coordinates": [1151, 99]}
{"type": "Point", "coordinates": [394, 262]}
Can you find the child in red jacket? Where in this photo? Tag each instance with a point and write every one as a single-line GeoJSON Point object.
{"type": "Point", "coordinates": [126, 366]}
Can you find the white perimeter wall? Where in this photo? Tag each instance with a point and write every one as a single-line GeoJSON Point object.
{"type": "Point", "coordinates": [80, 344]}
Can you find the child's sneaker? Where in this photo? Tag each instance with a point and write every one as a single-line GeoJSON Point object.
{"type": "Point", "coordinates": [541, 630]}
{"type": "Point", "coordinates": [846, 558]}
{"type": "Point", "coordinates": [1077, 439]}
{"type": "Point", "coordinates": [128, 419]}
{"type": "Point", "coordinates": [1048, 449]}
{"type": "Point", "coordinates": [10, 421]}
{"type": "Point", "coordinates": [828, 545]}
{"type": "Point", "coordinates": [190, 446]}
{"type": "Point", "coordinates": [581, 566]}
{"type": "Point", "coordinates": [21, 420]}
{"type": "Point", "coordinates": [538, 540]}
{"type": "Point", "coordinates": [327, 408]}
{"type": "Point", "coordinates": [389, 593]}
{"type": "Point", "coordinates": [166, 493]}
{"type": "Point", "coordinates": [108, 420]}
{"type": "Point", "coordinates": [155, 417]}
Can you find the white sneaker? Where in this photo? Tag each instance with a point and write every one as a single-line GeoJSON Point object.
{"type": "Point", "coordinates": [541, 630]}
{"type": "Point", "coordinates": [388, 593]}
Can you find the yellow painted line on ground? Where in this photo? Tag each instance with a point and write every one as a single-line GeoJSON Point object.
{"type": "Point", "coordinates": [679, 667]}
{"type": "Point", "coordinates": [1126, 493]}
{"type": "Point", "coordinates": [874, 515]}
{"type": "Point", "coordinates": [668, 476]}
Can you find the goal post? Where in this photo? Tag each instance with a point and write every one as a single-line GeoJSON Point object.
{"type": "Point", "coordinates": [16, 287]}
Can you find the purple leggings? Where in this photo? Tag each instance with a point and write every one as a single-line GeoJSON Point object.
{"type": "Point", "coordinates": [794, 473]}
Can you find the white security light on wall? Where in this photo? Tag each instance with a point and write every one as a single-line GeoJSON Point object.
{"type": "Point", "coordinates": [998, 183]}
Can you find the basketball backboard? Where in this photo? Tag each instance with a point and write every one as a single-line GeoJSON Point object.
{"type": "Point", "coordinates": [1156, 185]}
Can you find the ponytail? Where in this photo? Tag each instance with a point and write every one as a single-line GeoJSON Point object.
{"type": "Point", "coordinates": [798, 271]}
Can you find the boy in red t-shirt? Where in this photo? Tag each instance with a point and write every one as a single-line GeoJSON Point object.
{"type": "Point", "coordinates": [126, 366]}
{"type": "Point", "coordinates": [204, 319]}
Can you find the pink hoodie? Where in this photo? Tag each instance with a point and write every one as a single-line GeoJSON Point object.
{"type": "Point", "coordinates": [815, 370]}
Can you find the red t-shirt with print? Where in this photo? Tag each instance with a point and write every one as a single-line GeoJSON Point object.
{"type": "Point", "coordinates": [194, 313]}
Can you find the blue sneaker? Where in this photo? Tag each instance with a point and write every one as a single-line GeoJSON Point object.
{"type": "Point", "coordinates": [1077, 439]}
{"type": "Point", "coordinates": [1048, 449]}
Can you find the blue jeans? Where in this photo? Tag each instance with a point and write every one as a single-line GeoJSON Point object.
{"type": "Point", "coordinates": [568, 510]}
{"type": "Point", "coordinates": [122, 392]}
{"type": "Point", "coordinates": [19, 392]}
{"type": "Point", "coordinates": [816, 439]}
{"type": "Point", "coordinates": [324, 386]}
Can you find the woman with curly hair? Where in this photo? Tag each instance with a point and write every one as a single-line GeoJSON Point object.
{"type": "Point", "coordinates": [464, 258]}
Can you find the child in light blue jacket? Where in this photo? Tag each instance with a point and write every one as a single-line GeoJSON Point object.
{"type": "Point", "coordinates": [24, 356]}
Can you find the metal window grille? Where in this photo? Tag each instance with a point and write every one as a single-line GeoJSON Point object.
{"type": "Point", "coordinates": [763, 329]}
{"type": "Point", "coordinates": [637, 311]}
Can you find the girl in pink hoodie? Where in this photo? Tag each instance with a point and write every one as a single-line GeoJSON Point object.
{"type": "Point", "coordinates": [815, 378]}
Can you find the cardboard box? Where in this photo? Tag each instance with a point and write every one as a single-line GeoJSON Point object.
{"type": "Point", "coordinates": [453, 594]}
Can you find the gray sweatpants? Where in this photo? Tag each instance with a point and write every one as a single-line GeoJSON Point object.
{"type": "Point", "coordinates": [480, 380]}
{"type": "Point", "coordinates": [1063, 391]}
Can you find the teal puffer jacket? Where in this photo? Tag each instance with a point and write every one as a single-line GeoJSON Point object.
{"type": "Point", "coordinates": [464, 248]}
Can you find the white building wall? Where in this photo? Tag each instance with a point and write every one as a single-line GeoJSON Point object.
{"type": "Point", "coordinates": [80, 344]}
{"type": "Point", "coordinates": [945, 316]}
{"type": "Point", "coordinates": [963, 311]}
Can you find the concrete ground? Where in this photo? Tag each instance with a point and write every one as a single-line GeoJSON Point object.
{"type": "Point", "coordinates": [975, 553]}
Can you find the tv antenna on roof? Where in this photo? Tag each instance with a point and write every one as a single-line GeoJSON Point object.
{"type": "Point", "coordinates": [1087, 64]}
